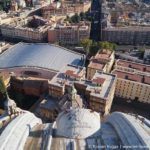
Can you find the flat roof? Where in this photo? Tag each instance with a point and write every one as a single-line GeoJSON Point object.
{"type": "Point", "coordinates": [48, 103]}
{"type": "Point", "coordinates": [40, 55]}
{"type": "Point", "coordinates": [105, 80]}
{"type": "Point", "coordinates": [69, 70]}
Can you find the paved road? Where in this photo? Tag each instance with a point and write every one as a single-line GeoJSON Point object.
{"type": "Point", "coordinates": [95, 25]}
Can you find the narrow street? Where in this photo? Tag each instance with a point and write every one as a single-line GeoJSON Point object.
{"type": "Point", "coordinates": [95, 24]}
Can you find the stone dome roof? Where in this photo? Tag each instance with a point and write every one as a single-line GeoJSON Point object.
{"type": "Point", "coordinates": [75, 129]}
{"type": "Point", "coordinates": [77, 123]}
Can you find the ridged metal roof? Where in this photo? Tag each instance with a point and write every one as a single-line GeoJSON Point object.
{"type": "Point", "coordinates": [39, 55]}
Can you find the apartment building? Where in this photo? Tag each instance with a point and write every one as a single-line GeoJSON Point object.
{"type": "Point", "coordinates": [132, 86]}
{"type": "Point", "coordinates": [129, 66]}
{"type": "Point", "coordinates": [59, 84]}
{"type": "Point", "coordinates": [133, 81]}
{"type": "Point", "coordinates": [98, 92]}
{"type": "Point", "coordinates": [69, 34]}
{"type": "Point", "coordinates": [19, 29]}
{"type": "Point", "coordinates": [102, 61]}
{"type": "Point", "coordinates": [64, 9]}
{"type": "Point", "coordinates": [133, 35]}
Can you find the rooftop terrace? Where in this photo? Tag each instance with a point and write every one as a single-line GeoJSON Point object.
{"type": "Point", "coordinates": [68, 74]}
{"type": "Point", "coordinates": [99, 85]}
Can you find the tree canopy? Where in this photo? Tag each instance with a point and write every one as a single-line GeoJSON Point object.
{"type": "Point", "coordinates": [93, 47]}
{"type": "Point", "coordinates": [86, 43]}
{"type": "Point", "coordinates": [76, 18]}
{"type": "Point", "coordinates": [107, 45]}
{"type": "Point", "coordinates": [3, 90]}
{"type": "Point", "coordinates": [79, 17]}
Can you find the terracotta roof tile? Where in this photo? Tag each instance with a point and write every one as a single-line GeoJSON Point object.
{"type": "Point", "coordinates": [71, 73]}
{"type": "Point", "coordinates": [132, 76]}
{"type": "Point", "coordinates": [137, 66]}
{"type": "Point", "coordinates": [98, 80]}
{"type": "Point", "coordinates": [97, 66]}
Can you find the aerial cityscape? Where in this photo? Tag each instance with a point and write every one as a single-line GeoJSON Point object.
{"type": "Point", "coordinates": [74, 74]}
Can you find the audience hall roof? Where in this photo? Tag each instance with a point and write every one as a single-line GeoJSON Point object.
{"type": "Point", "coordinates": [39, 55]}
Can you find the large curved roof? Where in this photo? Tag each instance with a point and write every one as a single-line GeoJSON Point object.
{"type": "Point", "coordinates": [119, 131]}
{"type": "Point", "coordinates": [78, 123]}
{"type": "Point", "coordinates": [39, 55]}
{"type": "Point", "coordinates": [15, 134]}
{"type": "Point", "coordinates": [131, 130]}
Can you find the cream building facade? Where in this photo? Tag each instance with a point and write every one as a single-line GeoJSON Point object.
{"type": "Point", "coordinates": [102, 61]}
{"type": "Point", "coordinates": [99, 91]}
{"type": "Point", "coordinates": [69, 34]}
{"type": "Point", "coordinates": [18, 29]}
{"type": "Point", "coordinates": [129, 66]}
{"type": "Point", "coordinates": [133, 81]}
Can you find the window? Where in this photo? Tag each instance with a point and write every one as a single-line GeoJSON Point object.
{"type": "Point", "coordinates": [32, 73]}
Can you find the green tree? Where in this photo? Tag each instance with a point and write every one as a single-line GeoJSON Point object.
{"type": "Point", "coordinates": [82, 16]}
{"type": "Point", "coordinates": [101, 45]}
{"type": "Point", "coordinates": [68, 19]}
{"type": "Point", "coordinates": [107, 45]}
{"type": "Point", "coordinates": [114, 46]}
{"type": "Point", "coordinates": [94, 48]}
{"type": "Point", "coordinates": [3, 90]}
{"type": "Point", "coordinates": [1, 7]}
{"type": "Point", "coordinates": [142, 51]}
{"type": "Point", "coordinates": [76, 18]}
{"type": "Point", "coordinates": [86, 43]}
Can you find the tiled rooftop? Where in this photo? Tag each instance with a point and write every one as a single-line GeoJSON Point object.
{"type": "Point", "coordinates": [98, 80]}
{"type": "Point", "coordinates": [104, 56]}
{"type": "Point", "coordinates": [129, 28]}
{"type": "Point", "coordinates": [137, 66]}
{"type": "Point", "coordinates": [132, 76]}
{"type": "Point", "coordinates": [99, 61]}
{"type": "Point", "coordinates": [97, 66]}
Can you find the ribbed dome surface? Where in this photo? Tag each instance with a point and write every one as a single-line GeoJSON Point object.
{"type": "Point", "coordinates": [78, 123]}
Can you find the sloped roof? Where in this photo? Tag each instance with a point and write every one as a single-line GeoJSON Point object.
{"type": "Point", "coordinates": [27, 132]}
{"type": "Point", "coordinates": [39, 55]}
{"type": "Point", "coordinates": [77, 123]}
